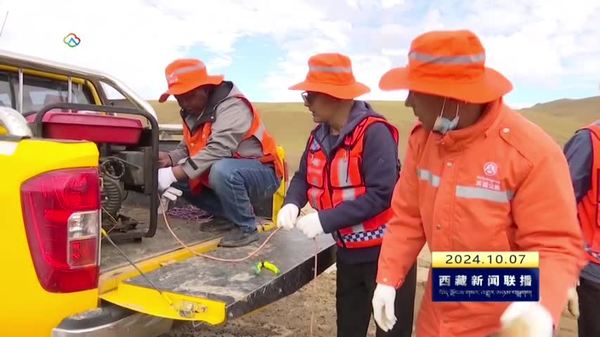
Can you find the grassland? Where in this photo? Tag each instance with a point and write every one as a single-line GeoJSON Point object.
{"type": "Point", "coordinates": [290, 123]}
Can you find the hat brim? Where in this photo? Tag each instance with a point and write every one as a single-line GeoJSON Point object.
{"type": "Point", "coordinates": [179, 89]}
{"type": "Point", "coordinates": [487, 88]}
{"type": "Point", "coordinates": [350, 91]}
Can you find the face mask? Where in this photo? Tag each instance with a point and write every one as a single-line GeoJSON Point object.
{"type": "Point", "coordinates": [443, 124]}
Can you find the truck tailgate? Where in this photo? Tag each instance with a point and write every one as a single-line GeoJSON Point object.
{"type": "Point", "coordinates": [24, 298]}
{"type": "Point", "coordinates": [201, 289]}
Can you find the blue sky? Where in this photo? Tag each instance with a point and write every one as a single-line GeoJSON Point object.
{"type": "Point", "coordinates": [549, 49]}
{"type": "Point", "coordinates": [250, 62]}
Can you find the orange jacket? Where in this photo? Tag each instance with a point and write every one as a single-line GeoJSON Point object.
{"type": "Point", "coordinates": [499, 185]}
{"type": "Point", "coordinates": [589, 206]}
{"type": "Point", "coordinates": [196, 141]}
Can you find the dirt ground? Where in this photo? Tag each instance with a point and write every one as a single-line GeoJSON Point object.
{"type": "Point", "coordinates": [291, 316]}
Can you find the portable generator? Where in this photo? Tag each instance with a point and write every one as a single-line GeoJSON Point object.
{"type": "Point", "coordinates": [128, 151]}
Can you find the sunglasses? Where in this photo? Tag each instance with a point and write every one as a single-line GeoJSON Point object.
{"type": "Point", "coordinates": [308, 97]}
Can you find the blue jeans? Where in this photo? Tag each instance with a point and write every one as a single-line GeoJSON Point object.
{"type": "Point", "coordinates": [235, 184]}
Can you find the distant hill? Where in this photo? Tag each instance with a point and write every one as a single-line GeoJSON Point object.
{"type": "Point", "coordinates": [578, 108]}
{"type": "Point", "coordinates": [290, 123]}
{"type": "Point", "coordinates": [562, 117]}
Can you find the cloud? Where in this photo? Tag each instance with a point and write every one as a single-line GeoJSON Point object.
{"type": "Point", "coordinates": [136, 39]}
{"type": "Point", "coordinates": [543, 44]}
{"type": "Point", "coordinates": [543, 41]}
{"type": "Point", "coordinates": [219, 62]}
{"type": "Point", "coordinates": [537, 44]}
{"type": "Point", "coordinates": [387, 4]}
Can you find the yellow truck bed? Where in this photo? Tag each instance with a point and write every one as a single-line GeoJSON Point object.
{"type": "Point", "coordinates": [175, 285]}
{"type": "Point", "coordinates": [225, 290]}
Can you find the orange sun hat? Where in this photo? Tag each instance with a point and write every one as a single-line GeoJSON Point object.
{"type": "Point", "coordinates": [331, 74]}
{"type": "Point", "coordinates": [184, 75]}
{"type": "Point", "coordinates": [449, 64]}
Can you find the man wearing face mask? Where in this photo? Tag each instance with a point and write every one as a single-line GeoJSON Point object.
{"type": "Point", "coordinates": [477, 177]}
{"type": "Point", "coordinates": [227, 160]}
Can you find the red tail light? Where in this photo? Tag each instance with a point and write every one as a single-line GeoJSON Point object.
{"type": "Point", "coordinates": [62, 221]}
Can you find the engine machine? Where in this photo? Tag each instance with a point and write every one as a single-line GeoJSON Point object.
{"type": "Point", "coordinates": [128, 150]}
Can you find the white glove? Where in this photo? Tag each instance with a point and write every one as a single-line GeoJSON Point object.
{"type": "Point", "coordinates": [531, 319]}
{"type": "Point", "coordinates": [384, 298]}
{"type": "Point", "coordinates": [165, 178]}
{"type": "Point", "coordinates": [573, 302]}
{"type": "Point", "coordinates": [310, 225]}
{"type": "Point", "coordinates": [286, 218]}
{"type": "Point", "coordinates": [171, 194]}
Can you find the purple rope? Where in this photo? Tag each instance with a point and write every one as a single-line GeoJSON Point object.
{"type": "Point", "coordinates": [190, 213]}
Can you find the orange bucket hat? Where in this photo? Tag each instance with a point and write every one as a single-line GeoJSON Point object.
{"type": "Point", "coordinates": [184, 75]}
{"type": "Point", "coordinates": [449, 64]}
{"type": "Point", "coordinates": [331, 74]}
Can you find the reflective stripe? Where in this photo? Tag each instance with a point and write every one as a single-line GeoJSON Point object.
{"type": "Point", "coordinates": [321, 69]}
{"type": "Point", "coordinates": [313, 197]}
{"type": "Point", "coordinates": [316, 162]}
{"type": "Point", "coordinates": [428, 176]}
{"type": "Point", "coordinates": [260, 132]}
{"type": "Point", "coordinates": [187, 69]}
{"type": "Point", "coordinates": [481, 193]}
{"type": "Point", "coordinates": [435, 59]}
{"type": "Point", "coordinates": [349, 194]}
{"type": "Point", "coordinates": [358, 228]}
{"type": "Point", "coordinates": [365, 236]}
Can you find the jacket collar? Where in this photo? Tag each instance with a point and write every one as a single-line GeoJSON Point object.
{"type": "Point", "coordinates": [360, 110]}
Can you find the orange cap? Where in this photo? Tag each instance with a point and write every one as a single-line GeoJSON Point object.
{"type": "Point", "coordinates": [449, 64]}
{"type": "Point", "coordinates": [184, 75]}
{"type": "Point", "coordinates": [331, 74]}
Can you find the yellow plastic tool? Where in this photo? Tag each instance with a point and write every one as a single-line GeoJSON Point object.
{"type": "Point", "coordinates": [279, 195]}
{"type": "Point", "coordinates": [268, 266]}
{"type": "Point", "coordinates": [266, 227]}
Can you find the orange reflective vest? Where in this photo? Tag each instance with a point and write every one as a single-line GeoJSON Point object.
{"type": "Point", "coordinates": [588, 209]}
{"type": "Point", "coordinates": [196, 141]}
{"type": "Point", "coordinates": [338, 178]}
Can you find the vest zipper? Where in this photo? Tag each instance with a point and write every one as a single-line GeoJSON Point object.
{"type": "Point", "coordinates": [347, 163]}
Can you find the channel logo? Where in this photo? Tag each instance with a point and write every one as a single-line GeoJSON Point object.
{"type": "Point", "coordinates": [72, 40]}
